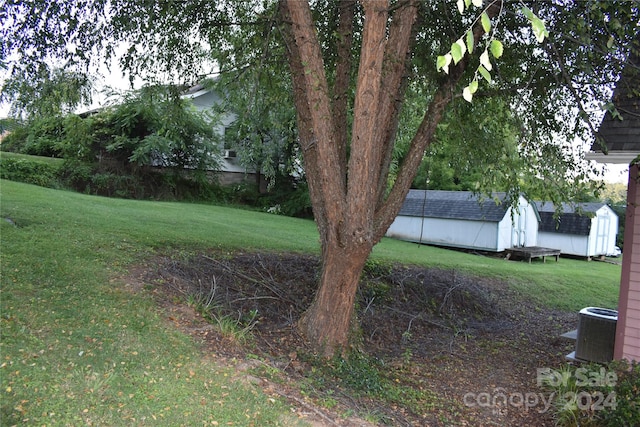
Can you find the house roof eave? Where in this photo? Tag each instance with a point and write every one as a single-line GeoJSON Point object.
{"type": "Point", "coordinates": [615, 157]}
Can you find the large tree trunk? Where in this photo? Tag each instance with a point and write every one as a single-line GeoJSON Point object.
{"type": "Point", "coordinates": [329, 322]}
{"type": "Point", "coordinates": [348, 187]}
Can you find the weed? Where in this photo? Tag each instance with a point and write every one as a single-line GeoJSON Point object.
{"type": "Point", "coordinates": [362, 375]}
{"type": "Point", "coordinates": [596, 395]}
{"type": "Point", "coordinates": [238, 328]}
{"type": "Point", "coordinates": [407, 354]}
{"type": "Point", "coordinates": [269, 372]}
{"type": "Point", "coordinates": [375, 417]}
{"type": "Point", "coordinates": [377, 268]}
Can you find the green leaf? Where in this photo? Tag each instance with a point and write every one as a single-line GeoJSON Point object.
{"type": "Point", "coordinates": [473, 86]}
{"type": "Point", "coordinates": [456, 52]}
{"type": "Point", "coordinates": [466, 94]}
{"type": "Point", "coordinates": [442, 62]}
{"type": "Point", "coordinates": [470, 41]}
{"type": "Point", "coordinates": [484, 73]}
{"type": "Point", "coordinates": [610, 42]}
{"type": "Point", "coordinates": [486, 22]}
{"type": "Point", "coordinates": [467, 3]}
{"type": "Point", "coordinates": [484, 60]}
{"type": "Point", "coordinates": [462, 45]}
{"type": "Point", "coordinates": [527, 13]}
{"type": "Point", "coordinates": [539, 29]}
{"type": "Point", "coordinates": [496, 48]}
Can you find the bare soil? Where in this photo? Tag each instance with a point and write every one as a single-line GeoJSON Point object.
{"type": "Point", "coordinates": [473, 344]}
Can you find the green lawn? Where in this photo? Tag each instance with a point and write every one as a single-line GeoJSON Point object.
{"type": "Point", "coordinates": [78, 347]}
{"type": "Point", "coordinates": [569, 284]}
{"type": "Point", "coordinates": [41, 159]}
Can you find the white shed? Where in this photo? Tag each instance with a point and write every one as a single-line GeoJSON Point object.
{"type": "Point", "coordinates": [584, 229]}
{"type": "Point", "coordinates": [464, 220]}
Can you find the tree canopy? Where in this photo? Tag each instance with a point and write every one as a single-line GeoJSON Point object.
{"type": "Point", "coordinates": [50, 92]}
{"type": "Point", "coordinates": [538, 73]}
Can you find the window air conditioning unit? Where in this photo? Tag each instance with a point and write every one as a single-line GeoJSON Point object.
{"type": "Point", "coordinates": [230, 154]}
{"type": "Point", "coordinates": [596, 334]}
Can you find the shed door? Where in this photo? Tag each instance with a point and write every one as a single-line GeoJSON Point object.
{"type": "Point", "coordinates": [602, 233]}
{"type": "Point", "coordinates": [519, 233]}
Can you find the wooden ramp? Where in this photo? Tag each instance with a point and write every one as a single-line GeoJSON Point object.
{"type": "Point", "coordinates": [529, 252]}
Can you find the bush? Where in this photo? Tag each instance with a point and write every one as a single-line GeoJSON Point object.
{"type": "Point", "coordinates": [76, 175]}
{"type": "Point", "coordinates": [30, 171]}
{"type": "Point", "coordinates": [288, 198]}
{"type": "Point", "coordinates": [16, 140]}
{"type": "Point", "coordinates": [627, 410]}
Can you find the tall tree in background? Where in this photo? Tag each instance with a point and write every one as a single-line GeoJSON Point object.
{"type": "Point", "coordinates": [50, 92]}
{"type": "Point", "coordinates": [351, 64]}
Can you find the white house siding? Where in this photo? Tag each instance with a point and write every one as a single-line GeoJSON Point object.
{"type": "Point", "coordinates": [231, 170]}
{"type": "Point", "coordinates": [457, 219]}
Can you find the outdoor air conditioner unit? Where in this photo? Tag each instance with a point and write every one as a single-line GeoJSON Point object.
{"type": "Point", "coordinates": [596, 334]}
{"type": "Point", "coordinates": [229, 154]}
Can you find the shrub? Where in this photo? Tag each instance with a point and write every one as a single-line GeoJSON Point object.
{"type": "Point", "coordinates": [290, 197]}
{"type": "Point", "coordinates": [16, 140]}
{"type": "Point", "coordinates": [76, 175]}
{"type": "Point", "coordinates": [44, 137]}
{"type": "Point", "coordinates": [30, 171]}
{"type": "Point", "coordinates": [627, 409]}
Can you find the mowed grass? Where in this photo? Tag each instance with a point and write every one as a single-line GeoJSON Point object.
{"type": "Point", "coordinates": [49, 160]}
{"type": "Point", "coordinates": [79, 348]}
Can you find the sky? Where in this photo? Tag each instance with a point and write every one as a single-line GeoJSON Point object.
{"type": "Point", "coordinates": [616, 173]}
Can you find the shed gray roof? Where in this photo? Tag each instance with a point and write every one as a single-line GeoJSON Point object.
{"type": "Point", "coordinates": [574, 219]}
{"type": "Point", "coordinates": [462, 205]}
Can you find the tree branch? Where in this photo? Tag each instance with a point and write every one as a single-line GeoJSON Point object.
{"type": "Point", "coordinates": [424, 137]}
{"type": "Point", "coordinates": [396, 68]}
{"type": "Point", "coordinates": [365, 155]}
{"type": "Point", "coordinates": [553, 52]}
{"type": "Point", "coordinates": [346, 10]}
{"type": "Point", "coordinates": [315, 118]}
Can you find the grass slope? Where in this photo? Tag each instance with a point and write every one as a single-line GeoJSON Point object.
{"type": "Point", "coordinates": [41, 159]}
{"type": "Point", "coordinates": [77, 347]}
{"type": "Point", "coordinates": [569, 284]}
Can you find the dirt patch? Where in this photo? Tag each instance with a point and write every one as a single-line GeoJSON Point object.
{"type": "Point", "coordinates": [462, 339]}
